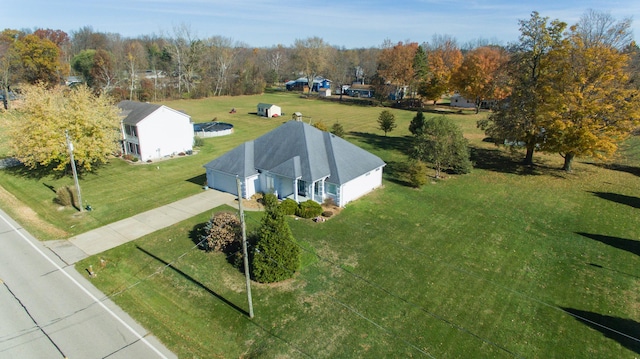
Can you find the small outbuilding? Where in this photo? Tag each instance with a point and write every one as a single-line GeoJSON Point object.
{"type": "Point", "coordinates": [269, 110]}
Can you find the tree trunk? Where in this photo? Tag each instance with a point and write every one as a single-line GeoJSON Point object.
{"type": "Point", "coordinates": [528, 158]}
{"type": "Point", "coordinates": [568, 162]}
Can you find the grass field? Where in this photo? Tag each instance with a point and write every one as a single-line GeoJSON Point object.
{"type": "Point", "coordinates": [121, 189]}
{"type": "Point", "coordinates": [503, 262]}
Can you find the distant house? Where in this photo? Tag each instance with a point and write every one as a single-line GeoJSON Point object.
{"type": "Point", "coordinates": [154, 131]}
{"type": "Point", "coordinates": [269, 110]}
{"type": "Point", "coordinates": [358, 90]}
{"type": "Point", "coordinates": [302, 84]}
{"type": "Point", "coordinates": [298, 161]}
{"type": "Point", "coordinates": [458, 100]}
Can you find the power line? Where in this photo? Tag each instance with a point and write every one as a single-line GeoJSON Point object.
{"type": "Point", "coordinates": [387, 331]}
{"type": "Point", "coordinates": [414, 305]}
{"type": "Point", "coordinates": [476, 276]}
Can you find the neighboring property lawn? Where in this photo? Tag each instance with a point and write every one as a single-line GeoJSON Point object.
{"type": "Point", "coordinates": [504, 262]}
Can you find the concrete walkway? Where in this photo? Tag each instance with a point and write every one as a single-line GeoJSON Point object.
{"type": "Point", "coordinates": [123, 231]}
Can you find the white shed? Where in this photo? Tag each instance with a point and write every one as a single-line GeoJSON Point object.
{"type": "Point", "coordinates": [269, 110]}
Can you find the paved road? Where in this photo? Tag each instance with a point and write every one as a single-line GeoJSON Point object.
{"type": "Point", "coordinates": [48, 310]}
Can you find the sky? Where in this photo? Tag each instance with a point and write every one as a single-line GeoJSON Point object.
{"type": "Point", "coordinates": [346, 23]}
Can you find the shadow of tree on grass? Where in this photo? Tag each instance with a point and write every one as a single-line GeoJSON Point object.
{"type": "Point", "coordinates": [400, 144]}
{"type": "Point", "coordinates": [624, 331]}
{"type": "Point", "coordinates": [396, 172]}
{"type": "Point", "coordinates": [628, 245]}
{"type": "Point", "coordinates": [194, 281]}
{"type": "Point", "coordinates": [634, 170]}
{"type": "Point", "coordinates": [619, 198]}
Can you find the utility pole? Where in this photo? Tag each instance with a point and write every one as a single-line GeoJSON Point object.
{"type": "Point", "coordinates": [73, 168]}
{"type": "Point", "coordinates": [244, 247]}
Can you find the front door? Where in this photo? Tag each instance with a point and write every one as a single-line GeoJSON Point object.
{"type": "Point", "coordinates": [302, 188]}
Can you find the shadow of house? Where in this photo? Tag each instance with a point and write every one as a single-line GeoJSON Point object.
{"type": "Point", "coordinates": [624, 331]}
{"type": "Point", "coordinates": [628, 245]}
{"type": "Point", "coordinates": [200, 180]}
{"type": "Point", "coordinates": [619, 198]}
{"type": "Point", "coordinates": [194, 281]}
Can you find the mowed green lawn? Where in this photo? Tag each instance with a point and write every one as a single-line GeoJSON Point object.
{"type": "Point", "coordinates": [504, 262]}
{"type": "Point", "coordinates": [120, 189]}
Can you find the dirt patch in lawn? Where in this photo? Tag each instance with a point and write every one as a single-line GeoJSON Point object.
{"type": "Point", "coordinates": [27, 216]}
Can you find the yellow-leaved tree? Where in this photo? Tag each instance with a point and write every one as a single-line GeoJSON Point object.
{"type": "Point", "coordinates": [40, 125]}
{"type": "Point", "coordinates": [590, 105]}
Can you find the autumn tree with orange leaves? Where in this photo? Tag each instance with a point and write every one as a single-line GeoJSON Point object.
{"type": "Point", "coordinates": [395, 64]}
{"type": "Point", "coordinates": [478, 76]}
{"type": "Point", "coordinates": [443, 59]}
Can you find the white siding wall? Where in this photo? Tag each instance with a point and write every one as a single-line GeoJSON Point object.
{"type": "Point", "coordinates": [252, 186]}
{"type": "Point", "coordinates": [164, 133]}
{"type": "Point", "coordinates": [360, 186]}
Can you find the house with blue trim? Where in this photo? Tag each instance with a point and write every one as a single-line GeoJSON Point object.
{"type": "Point", "coordinates": [297, 161]}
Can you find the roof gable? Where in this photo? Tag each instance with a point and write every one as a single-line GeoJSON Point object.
{"type": "Point", "coordinates": [133, 112]}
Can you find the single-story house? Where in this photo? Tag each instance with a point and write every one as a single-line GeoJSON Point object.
{"type": "Point", "coordinates": [297, 161]}
{"type": "Point", "coordinates": [357, 90]}
{"type": "Point", "coordinates": [458, 100]}
{"type": "Point", "coordinates": [302, 84]}
{"type": "Point", "coordinates": [154, 131]}
{"type": "Point", "coordinates": [269, 110]}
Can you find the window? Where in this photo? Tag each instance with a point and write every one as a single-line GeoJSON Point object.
{"type": "Point", "coordinates": [331, 188]}
{"type": "Point", "coordinates": [131, 130]}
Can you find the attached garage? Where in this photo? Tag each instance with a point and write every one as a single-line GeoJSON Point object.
{"type": "Point", "coordinates": [222, 181]}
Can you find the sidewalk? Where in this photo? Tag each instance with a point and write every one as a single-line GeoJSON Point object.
{"type": "Point", "coordinates": [128, 229]}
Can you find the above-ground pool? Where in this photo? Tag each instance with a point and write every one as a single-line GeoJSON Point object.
{"type": "Point", "coordinates": [212, 129]}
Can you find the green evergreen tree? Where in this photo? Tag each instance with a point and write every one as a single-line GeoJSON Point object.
{"type": "Point", "coordinates": [417, 124]}
{"type": "Point", "coordinates": [337, 129]}
{"type": "Point", "coordinates": [386, 121]}
{"type": "Point", "coordinates": [276, 256]}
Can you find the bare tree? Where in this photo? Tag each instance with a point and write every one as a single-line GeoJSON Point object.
{"type": "Point", "coordinates": [187, 52]}
{"type": "Point", "coordinates": [276, 59]}
{"type": "Point", "coordinates": [135, 60]}
{"type": "Point", "coordinates": [600, 28]}
{"type": "Point", "coordinates": [310, 57]}
{"type": "Point", "coordinates": [222, 54]}
{"type": "Point", "coordinates": [341, 67]}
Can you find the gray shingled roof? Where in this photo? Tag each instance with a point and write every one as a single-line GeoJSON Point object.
{"type": "Point", "coordinates": [298, 150]}
{"type": "Point", "coordinates": [134, 112]}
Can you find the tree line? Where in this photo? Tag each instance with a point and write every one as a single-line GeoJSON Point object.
{"type": "Point", "coordinates": [566, 89]}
